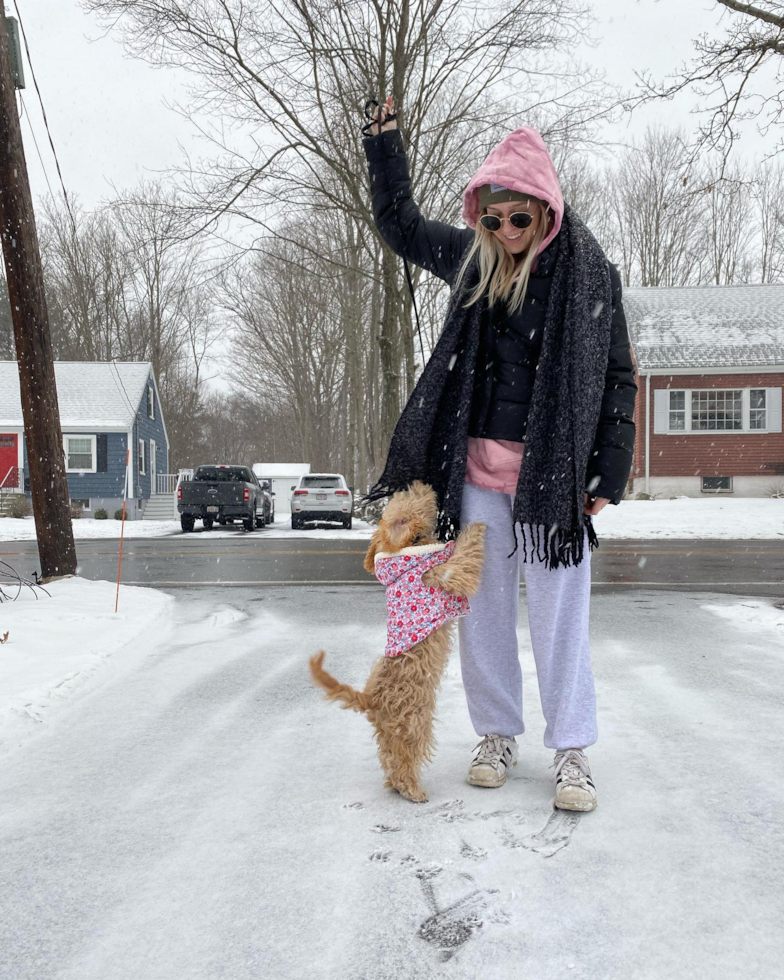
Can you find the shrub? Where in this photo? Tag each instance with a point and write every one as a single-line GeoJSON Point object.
{"type": "Point", "coordinates": [369, 512]}
{"type": "Point", "coordinates": [118, 514]}
{"type": "Point", "coordinates": [76, 510]}
{"type": "Point", "coordinates": [101, 514]}
{"type": "Point", "coordinates": [19, 506]}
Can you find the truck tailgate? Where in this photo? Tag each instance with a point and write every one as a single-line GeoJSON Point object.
{"type": "Point", "coordinates": [208, 494]}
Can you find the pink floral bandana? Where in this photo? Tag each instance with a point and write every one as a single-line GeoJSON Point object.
{"type": "Point", "coordinates": [414, 610]}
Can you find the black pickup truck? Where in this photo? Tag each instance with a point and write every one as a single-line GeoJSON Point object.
{"type": "Point", "coordinates": [224, 494]}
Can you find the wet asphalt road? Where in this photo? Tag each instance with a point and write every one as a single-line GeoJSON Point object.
{"type": "Point", "coordinates": [753, 567]}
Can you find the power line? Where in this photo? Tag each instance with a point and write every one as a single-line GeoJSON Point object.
{"type": "Point", "coordinates": [26, 115]}
{"type": "Point", "coordinates": [133, 410]}
{"type": "Point", "coordinates": [46, 121]}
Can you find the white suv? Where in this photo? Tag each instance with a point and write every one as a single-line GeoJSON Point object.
{"type": "Point", "coordinates": [322, 497]}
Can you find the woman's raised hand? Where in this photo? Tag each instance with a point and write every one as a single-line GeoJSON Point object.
{"type": "Point", "coordinates": [385, 109]}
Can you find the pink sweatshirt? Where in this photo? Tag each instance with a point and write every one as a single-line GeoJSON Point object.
{"type": "Point", "coordinates": [414, 610]}
{"type": "Point", "coordinates": [494, 464]}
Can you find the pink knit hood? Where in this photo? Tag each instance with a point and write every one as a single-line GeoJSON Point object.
{"type": "Point", "coordinates": [521, 163]}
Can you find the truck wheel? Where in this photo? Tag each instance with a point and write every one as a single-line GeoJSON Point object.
{"type": "Point", "coordinates": [249, 522]}
{"type": "Point", "coordinates": [260, 521]}
{"type": "Point", "coordinates": [207, 522]}
{"type": "Point", "coordinates": [187, 522]}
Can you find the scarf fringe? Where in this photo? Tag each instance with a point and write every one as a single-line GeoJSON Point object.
{"type": "Point", "coordinates": [563, 547]}
{"type": "Point", "coordinates": [379, 490]}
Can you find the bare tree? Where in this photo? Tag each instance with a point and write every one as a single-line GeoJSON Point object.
{"type": "Point", "coordinates": [655, 213]}
{"type": "Point", "coordinates": [730, 226]}
{"type": "Point", "coordinates": [768, 192]}
{"type": "Point", "coordinates": [739, 76]}
{"type": "Point", "coordinates": [290, 341]}
{"type": "Point", "coordinates": [121, 283]}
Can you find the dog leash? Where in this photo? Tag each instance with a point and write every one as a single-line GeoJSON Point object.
{"type": "Point", "coordinates": [367, 130]}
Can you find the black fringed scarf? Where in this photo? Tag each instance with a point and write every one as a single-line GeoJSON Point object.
{"type": "Point", "coordinates": [431, 437]}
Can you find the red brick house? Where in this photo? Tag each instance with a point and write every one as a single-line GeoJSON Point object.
{"type": "Point", "coordinates": [710, 370]}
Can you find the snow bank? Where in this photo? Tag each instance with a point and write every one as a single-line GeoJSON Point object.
{"type": "Point", "coordinates": [693, 517]}
{"type": "Point", "coordinates": [63, 644]}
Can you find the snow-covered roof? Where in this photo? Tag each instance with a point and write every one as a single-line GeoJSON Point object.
{"type": "Point", "coordinates": [706, 326]}
{"type": "Point", "coordinates": [269, 470]}
{"type": "Point", "coordinates": [92, 394]}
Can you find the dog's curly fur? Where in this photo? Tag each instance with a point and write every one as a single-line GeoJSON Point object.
{"type": "Point", "coordinates": [400, 695]}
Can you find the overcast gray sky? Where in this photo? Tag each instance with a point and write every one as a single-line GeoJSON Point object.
{"type": "Point", "coordinates": [110, 124]}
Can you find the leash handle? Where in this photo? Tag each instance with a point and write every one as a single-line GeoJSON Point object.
{"type": "Point", "coordinates": [367, 129]}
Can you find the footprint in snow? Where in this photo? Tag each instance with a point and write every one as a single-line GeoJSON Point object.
{"type": "Point", "coordinates": [555, 835]}
{"type": "Point", "coordinates": [469, 851]}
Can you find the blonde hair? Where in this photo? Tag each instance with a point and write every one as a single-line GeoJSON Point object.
{"type": "Point", "coordinates": [499, 275]}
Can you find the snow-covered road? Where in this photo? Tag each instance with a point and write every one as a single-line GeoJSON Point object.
{"type": "Point", "coordinates": [206, 814]}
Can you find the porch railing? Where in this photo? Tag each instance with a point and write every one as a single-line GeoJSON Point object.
{"type": "Point", "coordinates": [166, 482]}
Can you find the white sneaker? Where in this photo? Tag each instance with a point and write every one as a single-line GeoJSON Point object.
{"type": "Point", "coordinates": [492, 758]}
{"type": "Point", "coordinates": [574, 789]}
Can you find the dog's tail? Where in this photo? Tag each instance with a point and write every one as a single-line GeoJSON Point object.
{"type": "Point", "coordinates": [356, 700]}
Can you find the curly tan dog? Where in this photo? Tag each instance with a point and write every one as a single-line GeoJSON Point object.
{"type": "Point", "coordinates": [400, 695]}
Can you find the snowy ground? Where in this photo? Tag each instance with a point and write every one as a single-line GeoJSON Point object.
{"type": "Point", "coordinates": [60, 645]}
{"type": "Point", "coordinates": [684, 517]}
{"type": "Point", "coordinates": [204, 813]}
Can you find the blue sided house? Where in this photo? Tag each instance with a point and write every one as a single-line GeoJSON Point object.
{"type": "Point", "coordinates": [106, 407]}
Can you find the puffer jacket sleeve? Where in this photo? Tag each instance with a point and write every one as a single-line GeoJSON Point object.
{"type": "Point", "coordinates": [613, 451]}
{"type": "Point", "coordinates": [435, 246]}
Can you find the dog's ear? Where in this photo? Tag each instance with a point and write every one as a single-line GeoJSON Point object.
{"type": "Point", "coordinates": [370, 554]}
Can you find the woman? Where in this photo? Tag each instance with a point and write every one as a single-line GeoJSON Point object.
{"type": "Point", "coordinates": [523, 416]}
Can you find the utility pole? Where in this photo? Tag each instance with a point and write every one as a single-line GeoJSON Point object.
{"type": "Point", "coordinates": [41, 412]}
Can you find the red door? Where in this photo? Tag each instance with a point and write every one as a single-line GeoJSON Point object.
{"type": "Point", "coordinates": [9, 460]}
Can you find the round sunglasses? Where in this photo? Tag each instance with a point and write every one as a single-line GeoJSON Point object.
{"type": "Point", "coordinates": [520, 219]}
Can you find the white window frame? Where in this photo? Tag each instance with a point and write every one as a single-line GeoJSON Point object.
{"type": "Point", "coordinates": [141, 458]}
{"type": "Point", "coordinates": [745, 411]}
{"type": "Point", "coordinates": [150, 402]}
{"type": "Point", "coordinates": [78, 500]}
{"type": "Point", "coordinates": [94, 450]}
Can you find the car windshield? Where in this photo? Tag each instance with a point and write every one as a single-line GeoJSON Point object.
{"type": "Point", "coordinates": [223, 474]}
{"type": "Point", "coordinates": [323, 482]}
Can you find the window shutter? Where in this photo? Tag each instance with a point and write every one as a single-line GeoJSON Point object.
{"type": "Point", "coordinates": [773, 401]}
{"type": "Point", "coordinates": [661, 409]}
{"type": "Point", "coordinates": [102, 452]}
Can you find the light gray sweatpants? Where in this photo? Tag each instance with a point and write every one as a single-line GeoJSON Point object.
{"type": "Point", "coordinates": [558, 608]}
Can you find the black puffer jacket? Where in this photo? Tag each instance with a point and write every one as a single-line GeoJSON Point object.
{"type": "Point", "coordinates": [510, 344]}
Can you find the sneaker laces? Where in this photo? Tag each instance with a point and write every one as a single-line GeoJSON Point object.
{"type": "Point", "coordinates": [572, 766]}
{"type": "Point", "coordinates": [489, 750]}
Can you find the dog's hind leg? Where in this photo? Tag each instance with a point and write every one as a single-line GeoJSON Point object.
{"type": "Point", "coordinates": [405, 749]}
